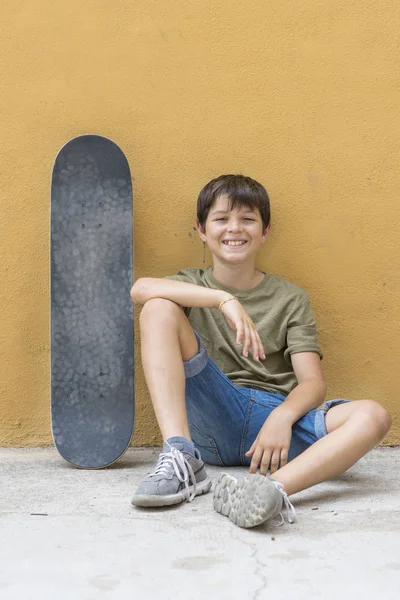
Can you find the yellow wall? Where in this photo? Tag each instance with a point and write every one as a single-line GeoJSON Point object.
{"type": "Point", "coordinates": [301, 95]}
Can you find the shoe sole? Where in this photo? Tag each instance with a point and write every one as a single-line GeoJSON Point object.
{"type": "Point", "coordinates": [149, 501]}
{"type": "Point", "coordinates": [247, 502]}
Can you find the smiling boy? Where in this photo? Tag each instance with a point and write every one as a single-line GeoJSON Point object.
{"type": "Point", "coordinates": [233, 367]}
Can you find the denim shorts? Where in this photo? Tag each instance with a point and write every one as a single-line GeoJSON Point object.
{"type": "Point", "coordinates": [225, 419]}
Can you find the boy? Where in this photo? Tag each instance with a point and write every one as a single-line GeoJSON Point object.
{"type": "Point", "coordinates": [233, 368]}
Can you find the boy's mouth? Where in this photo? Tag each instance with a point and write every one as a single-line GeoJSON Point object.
{"type": "Point", "coordinates": [234, 243]}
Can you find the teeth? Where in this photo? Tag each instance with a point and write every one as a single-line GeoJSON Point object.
{"type": "Point", "coordinates": [234, 243]}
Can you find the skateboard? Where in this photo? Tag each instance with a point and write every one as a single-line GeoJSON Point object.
{"type": "Point", "coordinates": [92, 346]}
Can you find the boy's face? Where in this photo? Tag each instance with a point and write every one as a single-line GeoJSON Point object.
{"type": "Point", "coordinates": [233, 235]}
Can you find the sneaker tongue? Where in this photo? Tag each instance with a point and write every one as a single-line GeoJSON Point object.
{"type": "Point", "coordinates": [167, 446]}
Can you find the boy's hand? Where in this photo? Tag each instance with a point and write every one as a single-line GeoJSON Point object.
{"type": "Point", "coordinates": [271, 446]}
{"type": "Point", "coordinates": [246, 334]}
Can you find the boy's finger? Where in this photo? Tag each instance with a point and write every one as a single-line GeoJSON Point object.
{"type": "Point", "coordinates": [239, 333]}
{"type": "Point", "coordinates": [251, 449]}
{"type": "Point", "coordinates": [260, 347]}
{"type": "Point", "coordinates": [253, 340]}
{"type": "Point", "coordinates": [255, 460]}
{"type": "Point", "coordinates": [254, 345]}
{"type": "Point", "coordinates": [247, 340]}
{"type": "Point", "coordinates": [284, 458]}
{"type": "Point", "coordinates": [275, 460]}
{"type": "Point", "coordinates": [266, 459]}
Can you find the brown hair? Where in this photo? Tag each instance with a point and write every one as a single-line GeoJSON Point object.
{"type": "Point", "coordinates": [241, 191]}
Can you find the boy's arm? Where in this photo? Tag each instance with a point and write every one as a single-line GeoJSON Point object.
{"type": "Point", "coordinates": [184, 294]}
{"type": "Point", "coordinates": [311, 389]}
{"type": "Point", "coordinates": [304, 354]}
{"type": "Point", "coordinates": [192, 295]}
{"type": "Point", "coordinates": [271, 447]}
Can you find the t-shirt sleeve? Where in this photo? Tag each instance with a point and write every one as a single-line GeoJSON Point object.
{"type": "Point", "coordinates": [182, 275]}
{"type": "Point", "coordinates": [301, 333]}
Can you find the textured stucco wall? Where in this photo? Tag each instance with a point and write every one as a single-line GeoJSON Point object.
{"type": "Point", "coordinates": [302, 95]}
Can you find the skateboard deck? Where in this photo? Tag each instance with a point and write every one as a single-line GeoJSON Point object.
{"type": "Point", "coordinates": [92, 346]}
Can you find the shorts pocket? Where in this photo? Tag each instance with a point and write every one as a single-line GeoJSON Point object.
{"type": "Point", "coordinates": [207, 446]}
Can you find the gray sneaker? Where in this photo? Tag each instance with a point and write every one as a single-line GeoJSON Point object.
{"type": "Point", "coordinates": [178, 476]}
{"type": "Point", "coordinates": [251, 500]}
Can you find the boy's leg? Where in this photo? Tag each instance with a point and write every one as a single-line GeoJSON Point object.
{"type": "Point", "coordinates": [353, 429]}
{"type": "Point", "coordinates": [167, 340]}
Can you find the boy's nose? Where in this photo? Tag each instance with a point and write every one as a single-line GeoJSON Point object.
{"type": "Point", "coordinates": [234, 226]}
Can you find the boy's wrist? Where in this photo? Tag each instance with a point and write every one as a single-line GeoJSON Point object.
{"type": "Point", "coordinates": [221, 304]}
{"type": "Point", "coordinates": [286, 413]}
{"type": "Point", "coordinates": [222, 298]}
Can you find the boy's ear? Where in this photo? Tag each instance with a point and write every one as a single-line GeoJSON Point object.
{"type": "Point", "coordinates": [201, 231]}
{"type": "Point", "coordinates": [265, 234]}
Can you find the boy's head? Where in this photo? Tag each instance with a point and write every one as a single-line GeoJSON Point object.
{"type": "Point", "coordinates": [242, 192]}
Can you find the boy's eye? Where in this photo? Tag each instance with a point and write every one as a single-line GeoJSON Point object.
{"type": "Point", "coordinates": [225, 218]}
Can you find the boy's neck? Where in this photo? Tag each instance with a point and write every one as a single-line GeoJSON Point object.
{"type": "Point", "coordinates": [239, 277]}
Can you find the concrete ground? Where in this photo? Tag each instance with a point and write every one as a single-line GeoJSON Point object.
{"type": "Point", "coordinates": [69, 534]}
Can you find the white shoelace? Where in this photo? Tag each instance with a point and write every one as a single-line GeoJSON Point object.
{"type": "Point", "coordinates": [287, 505]}
{"type": "Point", "coordinates": [182, 468]}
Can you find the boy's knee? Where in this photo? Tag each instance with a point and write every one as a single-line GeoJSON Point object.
{"type": "Point", "coordinates": [159, 308]}
{"type": "Point", "coordinates": [378, 415]}
{"type": "Point", "coordinates": [383, 418]}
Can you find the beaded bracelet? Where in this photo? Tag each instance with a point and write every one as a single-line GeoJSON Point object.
{"type": "Point", "coordinates": [227, 300]}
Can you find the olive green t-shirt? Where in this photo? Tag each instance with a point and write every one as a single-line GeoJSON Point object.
{"type": "Point", "coordinates": [284, 320]}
